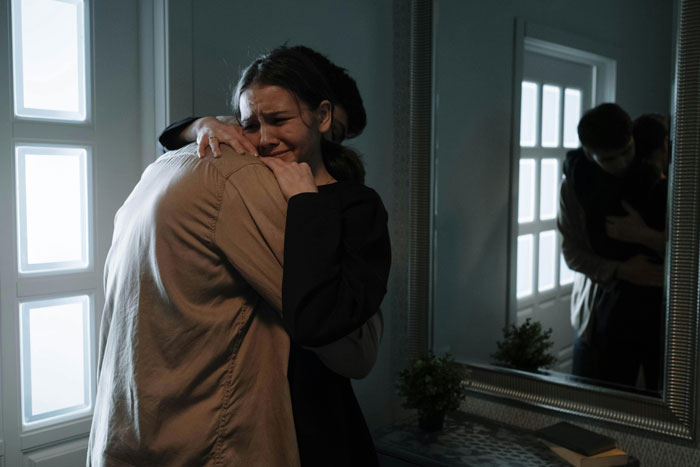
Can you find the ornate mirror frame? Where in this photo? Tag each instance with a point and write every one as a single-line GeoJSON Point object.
{"type": "Point", "coordinates": [675, 413]}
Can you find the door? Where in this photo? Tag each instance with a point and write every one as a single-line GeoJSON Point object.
{"type": "Point", "coordinates": [555, 91]}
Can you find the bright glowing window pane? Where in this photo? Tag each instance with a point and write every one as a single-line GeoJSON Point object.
{"type": "Point", "coordinates": [572, 114]}
{"type": "Point", "coordinates": [566, 275]}
{"type": "Point", "coordinates": [525, 257]}
{"type": "Point", "coordinates": [548, 188]}
{"type": "Point", "coordinates": [526, 191]}
{"type": "Point", "coordinates": [52, 207]}
{"type": "Point", "coordinates": [55, 344]}
{"type": "Point", "coordinates": [546, 260]}
{"type": "Point", "coordinates": [49, 58]}
{"type": "Point", "coordinates": [550, 116]}
{"type": "Point", "coordinates": [528, 114]}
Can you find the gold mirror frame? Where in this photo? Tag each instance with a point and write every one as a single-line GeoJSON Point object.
{"type": "Point", "coordinates": [675, 413]}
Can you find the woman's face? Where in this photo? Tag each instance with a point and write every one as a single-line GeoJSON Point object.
{"type": "Point", "coordinates": [280, 125]}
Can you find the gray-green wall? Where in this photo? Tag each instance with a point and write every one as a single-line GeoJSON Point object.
{"type": "Point", "coordinates": [356, 35]}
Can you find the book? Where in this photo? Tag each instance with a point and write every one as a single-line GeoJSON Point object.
{"type": "Point", "coordinates": [576, 439]}
{"type": "Point", "coordinates": [610, 458]}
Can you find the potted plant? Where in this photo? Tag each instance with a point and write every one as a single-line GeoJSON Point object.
{"type": "Point", "coordinates": [526, 347]}
{"type": "Point", "coordinates": [434, 386]}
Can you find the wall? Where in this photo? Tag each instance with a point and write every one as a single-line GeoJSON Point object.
{"type": "Point", "coordinates": [474, 70]}
{"type": "Point", "coordinates": [226, 36]}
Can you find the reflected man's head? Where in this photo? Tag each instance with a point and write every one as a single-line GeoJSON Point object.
{"type": "Point", "coordinates": [652, 142]}
{"type": "Point", "coordinates": [606, 136]}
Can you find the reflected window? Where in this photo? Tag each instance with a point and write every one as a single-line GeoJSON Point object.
{"type": "Point", "coordinates": [525, 265]}
{"type": "Point", "coordinates": [526, 195]}
{"type": "Point", "coordinates": [546, 263]}
{"type": "Point", "coordinates": [572, 114]}
{"type": "Point", "coordinates": [549, 189]}
{"type": "Point", "coordinates": [528, 114]}
{"type": "Point", "coordinates": [566, 275]}
{"type": "Point", "coordinates": [551, 95]}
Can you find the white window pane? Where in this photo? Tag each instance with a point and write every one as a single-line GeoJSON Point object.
{"type": "Point", "coordinates": [52, 195]}
{"type": "Point", "coordinates": [528, 114]}
{"type": "Point", "coordinates": [49, 58]}
{"type": "Point", "coordinates": [550, 116]}
{"type": "Point", "coordinates": [546, 260]}
{"type": "Point", "coordinates": [549, 188]}
{"type": "Point", "coordinates": [55, 343]}
{"type": "Point", "coordinates": [572, 114]}
{"type": "Point", "coordinates": [566, 275]}
{"type": "Point", "coordinates": [525, 257]}
{"type": "Point", "coordinates": [526, 191]}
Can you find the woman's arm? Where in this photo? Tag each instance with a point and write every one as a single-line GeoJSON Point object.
{"type": "Point", "coordinates": [336, 263]}
{"type": "Point", "coordinates": [354, 355]}
{"type": "Point", "coordinates": [207, 132]}
{"type": "Point", "coordinates": [174, 136]}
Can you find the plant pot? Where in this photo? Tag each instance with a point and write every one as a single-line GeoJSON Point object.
{"type": "Point", "coordinates": [431, 421]}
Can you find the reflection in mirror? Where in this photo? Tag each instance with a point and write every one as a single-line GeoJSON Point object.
{"type": "Point", "coordinates": [585, 221]}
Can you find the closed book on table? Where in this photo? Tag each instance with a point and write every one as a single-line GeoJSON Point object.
{"type": "Point", "coordinates": [611, 458]}
{"type": "Point", "coordinates": [576, 439]}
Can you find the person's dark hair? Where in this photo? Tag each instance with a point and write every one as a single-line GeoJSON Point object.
{"type": "Point", "coordinates": [344, 88]}
{"type": "Point", "coordinates": [605, 127]}
{"type": "Point", "coordinates": [292, 68]}
{"type": "Point", "coordinates": [650, 132]}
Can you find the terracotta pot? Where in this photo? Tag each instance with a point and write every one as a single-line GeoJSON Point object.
{"type": "Point", "coordinates": [431, 422]}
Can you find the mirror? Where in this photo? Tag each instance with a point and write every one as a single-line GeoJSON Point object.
{"type": "Point", "coordinates": [480, 64]}
{"type": "Point", "coordinates": [499, 262]}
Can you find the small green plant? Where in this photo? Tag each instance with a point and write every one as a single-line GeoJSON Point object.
{"type": "Point", "coordinates": [526, 347]}
{"type": "Point", "coordinates": [433, 385]}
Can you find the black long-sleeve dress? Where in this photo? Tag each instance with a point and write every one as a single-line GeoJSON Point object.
{"type": "Point", "coordinates": [336, 267]}
{"type": "Point", "coordinates": [337, 257]}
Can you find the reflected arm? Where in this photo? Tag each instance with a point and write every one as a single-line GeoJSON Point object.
{"type": "Point", "coordinates": [576, 246]}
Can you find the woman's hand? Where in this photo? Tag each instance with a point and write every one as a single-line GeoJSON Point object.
{"type": "Point", "coordinates": [629, 228]}
{"type": "Point", "coordinates": [209, 131]}
{"type": "Point", "coordinates": [641, 270]}
{"type": "Point", "coordinates": [632, 229]}
{"type": "Point", "coordinates": [292, 177]}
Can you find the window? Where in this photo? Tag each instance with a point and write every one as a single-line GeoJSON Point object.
{"type": "Point", "coordinates": [49, 59]}
{"type": "Point", "coordinates": [52, 208]}
{"type": "Point", "coordinates": [55, 347]}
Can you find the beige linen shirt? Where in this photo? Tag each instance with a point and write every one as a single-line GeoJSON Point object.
{"type": "Point", "coordinates": [593, 272]}
{"type": "Point", "coordinates": [192, 365]}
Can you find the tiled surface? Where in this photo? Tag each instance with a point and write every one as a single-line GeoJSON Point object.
{"type": "Point", "coordinates": [466, 442]}
{"type": "Point", "coordinates": [651, 450]}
